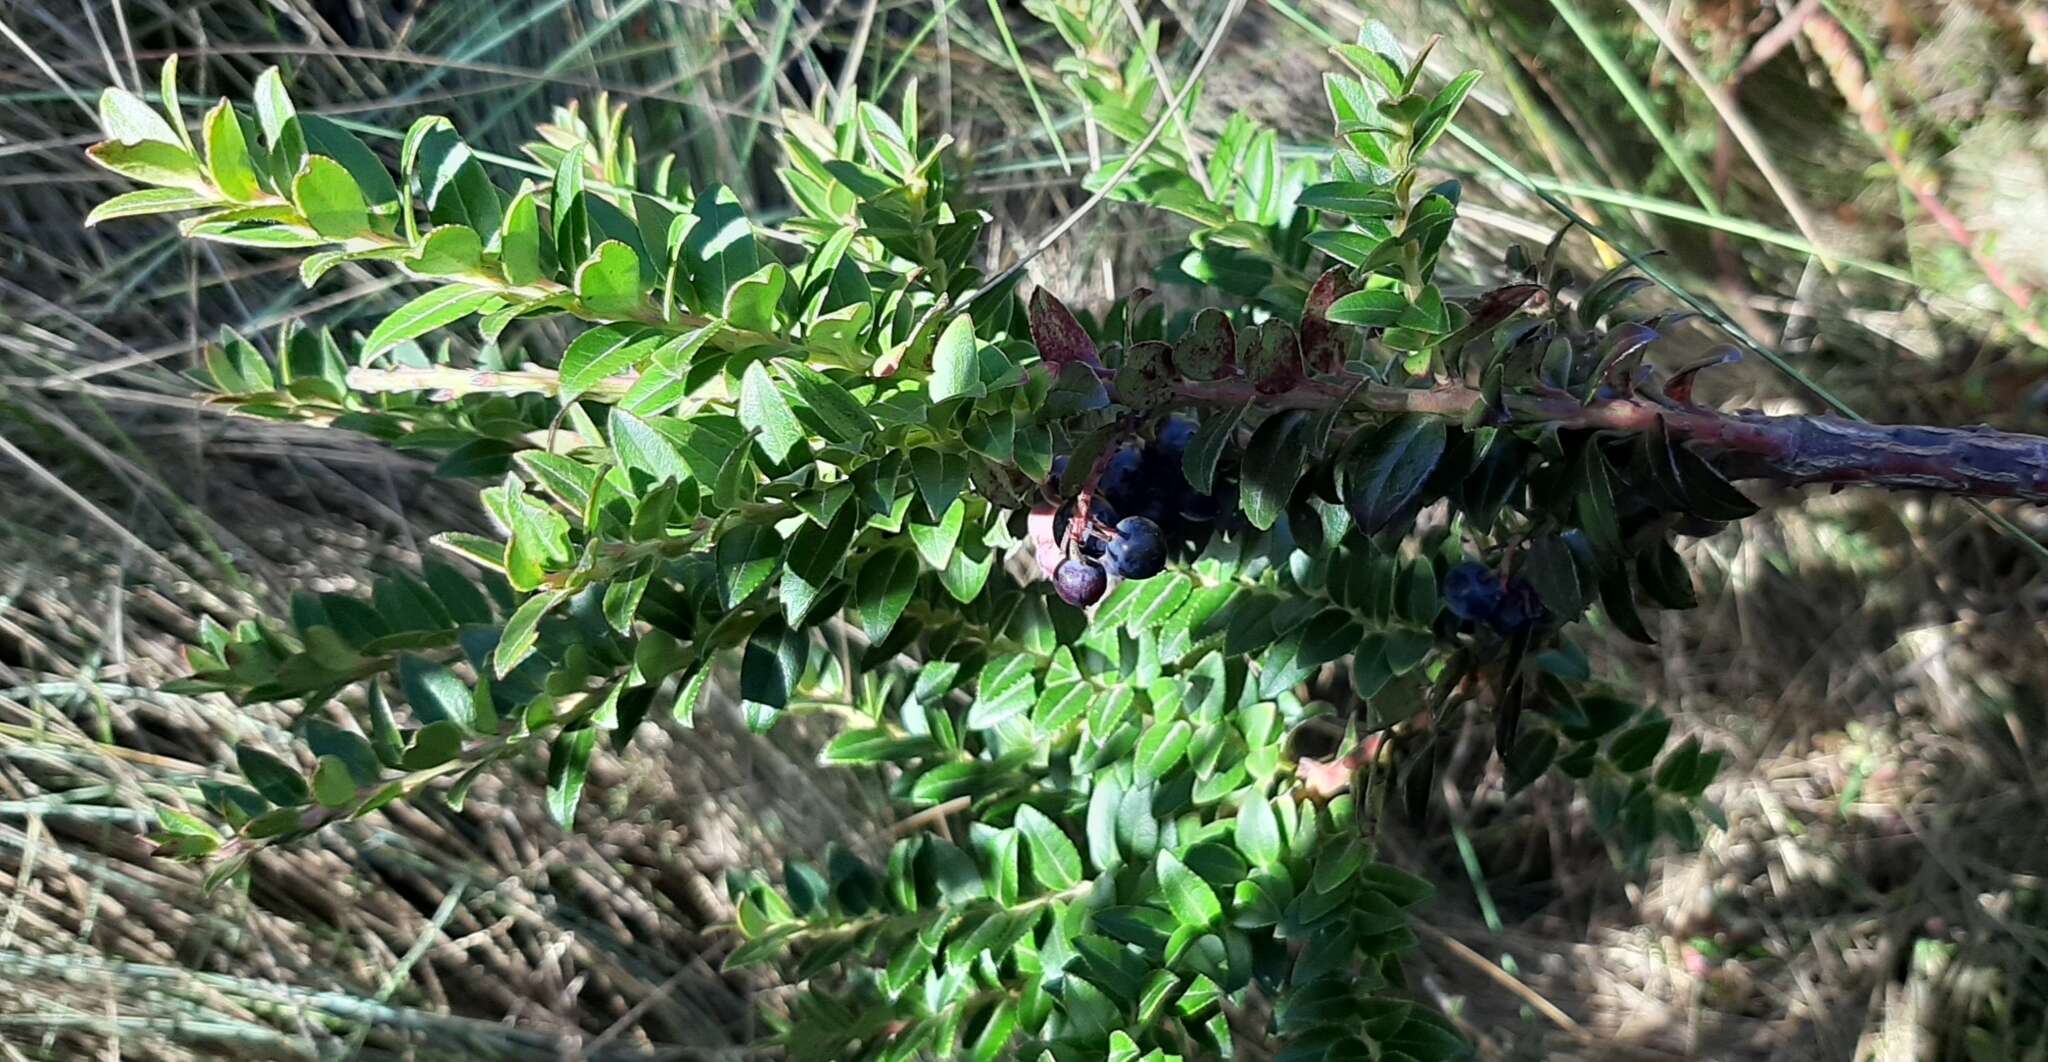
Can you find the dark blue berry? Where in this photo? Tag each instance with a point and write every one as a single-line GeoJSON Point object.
{"type": "Point", "coordinates": [1199, 508]}
{"type": "Point", "coordinates": [1520, 607]}
{"type": "Point", "coordinates": [1101, 516]}
{"type": "Point", "coordinates": [1139, 550]}
{"type": "Point", "coordinates": [1080, 582]}
{"type": "Point", "coordinates": [1473, 592]}
{"type": "Point", "coordinates": [1175, 435]}
{"type": "Point", "coordinates": [1123, 477]}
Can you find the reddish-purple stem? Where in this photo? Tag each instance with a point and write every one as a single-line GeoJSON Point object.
{"type": "Point", "coordinates": [1793, 449]}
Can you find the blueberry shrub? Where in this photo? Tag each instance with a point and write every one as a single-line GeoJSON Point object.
{"type": "Point", "coordinates": [1148, 613]}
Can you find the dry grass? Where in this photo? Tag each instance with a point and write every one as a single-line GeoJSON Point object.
{"type": "Point", "coordinates": [1876, 670]}
{"type": "Point", "coordinates": [490, 928]}
{"type": "Point", "coordinates": [1879, 887]}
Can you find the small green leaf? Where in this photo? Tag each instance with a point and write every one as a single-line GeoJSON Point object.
{"type": "Point", "coordinates": [772, 665]}
{"type": "Point", "coordinates": [1618, 601]}
{"type": "Point", "coordinates": [447, 251]}
{"type": "Point", "coordinates": [1354, 249]}
{"type": "Point", "coordinates": [1272, 465]}
{"type": "Point", "coordinates": [718, 250]}
{"type": "Point", "coordinates": [746, 557]}
{"type": "Point", "coordinates": [273, 104]}
{"type": "Point", "coordinates": [956, 363]}
{"type": "Point", "coordinates": [146, 201]}
{"type": "Point", "coordinates": [1352, 198]}
{"type": "Point", "coordinates": [519, 239]}
{"type": "Point", "coordinates": [1552, 571]}
{"type": "Point", "coordinates": [882, 591]}
{"type": "Point", "coordinates": [1055, 862]}
{"type": "Point", "coordinates": [1593, 503]}
{"type": "Point", "coordinates": [278, 781]}
{"type": "Point", "coordinates": [1205, 450]}
{"type": "Point", "coordinates": [643, 449]}
{"type": "Point", "coordinates": [385, 739]}
{"type": "Point", "coordinates": [1257, 830]}
{"type": "Point", "coordinates": [333, 787]}
{"type": "Point", "coordinates": [1442, 109]}
{"type": "Point", "coordinates": [1631, 750]}
{"type": "Point", "coordinates": [935, 542]}
{"type": "Point", "coordinates": [1663, 576]}
{"type": "Point", "coordinates": [766, 413]}
{"type": "Point", "coordinates": [329, 741]}
{"type": "Point", "coordinates": [1532, 755]}
{"type": "Point", "coordinates": [228, 160]}
{"type": "Point", "coordinates": [457, 188]}
{"type": "Point", "coordinates": [1192, 901]}
{"type": "Point", "coordinates": [751, 304]}
{"type": "Point", "coordinates": [1007, 688]}
{"type": "Point", "coordinates": [875, 745]}
{"type": "Point", "coordinates": [1103, 803]}
{"type": "Point", "coordinates": [568, 766]}
{"type": "Point", "coordinates": [1370, 308]}
{"type": "Point", "coordinates": [522, 631]}
{"type": "Point", "coordinates": [127, 119]}
{"type": "Point", "coordinates": [839, 414]}
{"type": "Point", "coordinates": [435, 693]}
{"type": "Point", "coordinates": [604, 352]}
{"type": "Point", "coordinates": [178, 822]}
{"type": "Point", "coordinates": [1386, 470]}
{"type": "Point", "coordinates": [1162, 746]}
{"type": "Point", "coordinates": [329, 198]}
{"type": "Point", "coordinates": [324, 136]}
{"type": "Point", "coordinates": [567, 208]}
{"type": "Point", "coordinates": [690, 695]}
{"type": "Point", "coordinates": [436, 309]}
{"type": "Point", "coordinates": [608, 282]}
{"type": "Point", "coordinates": [151, 162]}
{"type": "Point", "coordinates": [1707, 491]}
{"type": "Point", "coordinates": [941, 476]}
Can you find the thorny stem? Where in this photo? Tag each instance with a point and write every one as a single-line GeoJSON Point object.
{"type": "Point", "coordinates": [1792, 449]}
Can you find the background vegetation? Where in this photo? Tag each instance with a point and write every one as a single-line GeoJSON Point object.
{"type": "Point", "coordinates": [1872, 665]}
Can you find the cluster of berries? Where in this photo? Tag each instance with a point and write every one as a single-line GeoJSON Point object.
{"type": "Point", "coordinates": [1139, 507]}
{"type": "Point", "coordinates": [1476, 593]}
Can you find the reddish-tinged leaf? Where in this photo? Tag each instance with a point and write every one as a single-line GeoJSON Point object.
{"type": "Point", "coordinates": [1208, 349]}
{"type": "Point", "coordinates": [1142, 381]}
{"type": "Point", "coordinates": [1500, 304]}
{"type": "Point", "coordinates": [1322, 343]}
{"type": "Point", "coordinates": [1059, 337]}
{"type": "Point", "coordinates": [1625, 346]}
{"type": "Point", "coordinates": [1273, 357]}
{"type": "Point", "coordinates": [1679, 390]}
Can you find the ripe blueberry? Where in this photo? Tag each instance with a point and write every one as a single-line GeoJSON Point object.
{"type": "Point", "coordinates": [1101, 515]}
{"type": "Point", "coordinates": [1121, 478]}
{"type": "Point", "coordinates": [1199, 508]}
{"type": "Point", "coordinates": [1174, 436]}
{"type": "Point", "coordinates": [1473, 592]}
{"type": "Point", "coordinates": [1138, 551]}
{"type": "Point", "coordinates": [1519, 607]}
{"type": "Point", "coordinates": [1080, 582]}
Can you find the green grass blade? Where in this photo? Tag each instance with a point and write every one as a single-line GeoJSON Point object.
{"type": "Point", "coordinates": [995, 9]}
{"type": "Point", "coordinates": [1625, 83]}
